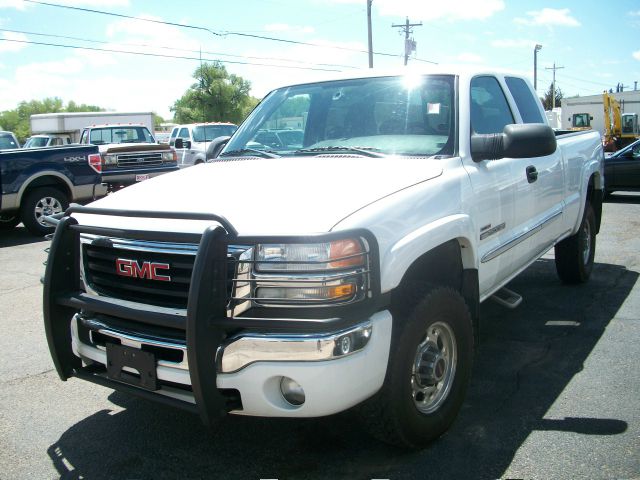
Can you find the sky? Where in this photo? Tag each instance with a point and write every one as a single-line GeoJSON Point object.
{"type": "Point", "coordinates": [597, 46]}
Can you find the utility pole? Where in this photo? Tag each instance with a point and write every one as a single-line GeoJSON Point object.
{"type": "Point", "coordinates": [369, 2]}
{"type": "Point", "coordinates": [409, 44]}
{"type": "Point", "coordinates": [553, 88]}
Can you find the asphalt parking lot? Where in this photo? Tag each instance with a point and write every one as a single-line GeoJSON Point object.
{"type": "Point", "coordinates": [555, 393]}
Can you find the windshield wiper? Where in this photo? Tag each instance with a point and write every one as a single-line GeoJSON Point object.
{"type": "Point", "coordinates": [241, 151]}
{"type": "Point", "coordinates": [367, 151]}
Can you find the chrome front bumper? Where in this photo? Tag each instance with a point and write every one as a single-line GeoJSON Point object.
{"type": "Point", "coordinates": [235, 354]}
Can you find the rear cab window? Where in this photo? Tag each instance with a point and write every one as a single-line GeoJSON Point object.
{"type": "Point", "coordinates": [525, 101]}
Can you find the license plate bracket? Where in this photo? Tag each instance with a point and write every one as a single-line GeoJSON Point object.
{"type": "Point", "coordinates": [121, 356]}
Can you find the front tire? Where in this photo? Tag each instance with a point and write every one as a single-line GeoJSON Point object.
{"type": "Point", "coordinates": [429, 369]}
{"type": "Point", "coordinates": [574, 255]}
{"type": "Point", "coordinates": [39, 203]}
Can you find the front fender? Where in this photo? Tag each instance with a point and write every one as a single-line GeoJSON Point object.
{"type": "Point", "coordinates": [401, 254]}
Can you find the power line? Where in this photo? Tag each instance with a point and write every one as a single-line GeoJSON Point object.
{"type": "Point", "coordinates": [146, 54]}
{"type": "Point", "coordinates": [220, 33]}
{"type": "Point", "coordinates": [89, 10]}
{"type": "Point", "coordinates": [146, 45]}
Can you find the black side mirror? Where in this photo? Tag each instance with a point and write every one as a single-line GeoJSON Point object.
{"type": "Point", "coordinates": [215, 147]}
{"type": "Point", "coordinates": [180, 143]}
{"type": "Point", "coordinates": [515, 141]}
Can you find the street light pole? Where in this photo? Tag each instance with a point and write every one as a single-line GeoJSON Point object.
{"type": "Point", "coordinates": [369, 2]}
{"type": "Point", "coordinates": [536, 49]}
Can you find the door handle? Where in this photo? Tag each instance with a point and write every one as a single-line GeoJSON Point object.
{"type": "Point", "coordinates": [532, 174]}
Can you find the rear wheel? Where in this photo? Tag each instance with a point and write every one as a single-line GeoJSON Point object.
{"type": "Point", "coordinates": [574, 255]}
{"type": "Point", "coordinates": [40, 203]}
{"type": "Point", "coordinates": [429, 369]}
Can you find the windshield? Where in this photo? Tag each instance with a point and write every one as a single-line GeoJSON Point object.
{"type": "Point", "coordinates": [100, 136]}
{"type": "Point", "coordinates": [388, 115]}
{"type": "Point", "coordinates": [206, 133]}
{"type": "Point", "coordinates": [34, 142]}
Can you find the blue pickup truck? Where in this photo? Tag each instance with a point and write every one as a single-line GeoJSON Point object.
{"type": "Point", "coordinates": [43, 181]}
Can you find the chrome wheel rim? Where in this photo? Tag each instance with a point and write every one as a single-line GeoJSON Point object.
{"type": "Point", "coordinates": [586, 243]}
{"type": "Point", "coordinates": [46, 206]}
{"type": "Point", "coordinates": [434, 368]}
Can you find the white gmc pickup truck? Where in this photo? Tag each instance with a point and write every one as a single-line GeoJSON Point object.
{"type": "Point", "coordinates": [347, 272]}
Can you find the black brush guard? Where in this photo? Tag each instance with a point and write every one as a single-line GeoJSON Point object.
{"type": "Point", "coordinates": [206, 321]}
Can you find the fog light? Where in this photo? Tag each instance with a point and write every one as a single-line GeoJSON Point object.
{"type": "Point", "coordinates": [292, 391]}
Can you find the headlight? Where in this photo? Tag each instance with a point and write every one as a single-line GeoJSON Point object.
{"type": "Point", "coordinates": [305, 257]}
{"type": "Point", "coordinates": [110, 159]}
{"type": "Point", "coordinates": [309, 274]}
{"type": "Point", "coordinates": [169, 156]}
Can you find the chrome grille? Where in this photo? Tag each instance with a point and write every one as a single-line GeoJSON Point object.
{"type": "Point", "coordinates": [101, 277]}
{"type": "Point", "coordinates": [139, 159]}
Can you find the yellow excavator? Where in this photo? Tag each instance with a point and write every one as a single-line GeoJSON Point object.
{"type": "Point", "coordinates": [620, 129]}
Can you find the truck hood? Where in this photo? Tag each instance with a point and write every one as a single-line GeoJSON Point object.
{"type": "Point", "coordinates": [267, 196]}
{"type": "Point", "coordinates": [132, 147]}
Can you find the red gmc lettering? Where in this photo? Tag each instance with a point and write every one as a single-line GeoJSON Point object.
{"type": "Point", "coordinates": [148, 270]}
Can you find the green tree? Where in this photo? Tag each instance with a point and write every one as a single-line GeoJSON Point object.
{"type": "Point", "coordinates": [157, 121]}
{"type": "Point", "coordinates": [216, 96]}
{"type": "Point", "coordinates": [547, 100]}
{"type": "Point", "coordinates": [18, 119]}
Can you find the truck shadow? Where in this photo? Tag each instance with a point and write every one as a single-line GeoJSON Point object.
{"type": "Point", "coordinates": [526, 359]}
{"type": "Point", "coordinates": [18, 236]}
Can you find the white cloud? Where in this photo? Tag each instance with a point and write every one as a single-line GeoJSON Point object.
{"type": "Point", "coordinates": [17, 4]}
{"type": "Point", "coordinates": [636, 55]}
{"type": "Point", "coordinates": [13, 46]}
{"type": "Point", "coordinates": [635, 14]}
{"type": "Point", "coordinates": [284, 27]}
{"type": "Point", "coordinates": [513, 43]}
{"type": "Point", "coordinates": [469, 58]}
{"type": "Point", "coordinates": [148, 33]}
{"type": "Point", "coordinates": [21, 5]}
{"type": "Point", "coordinates": [549, 17]}
{"type": "Point", "coordinates": [96, 3]}
{"type": "Point", "coordinates": [435, 10]}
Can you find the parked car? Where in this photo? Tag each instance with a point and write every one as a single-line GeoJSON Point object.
{"type": "Point", "coordinates": [129, 153]}
{"type": "Point", "coordinates": [349, 272]}
{"type": "Point", "coordinates": [622, 169]}
{"type": "Point", "coordinates": [8, 141]}
{"type": "Point", "coordinates": [192, 141]}
{"type": "Point", "coordinates": [43, 140]}
{"type": "Point", "coordinates": [43, 181]}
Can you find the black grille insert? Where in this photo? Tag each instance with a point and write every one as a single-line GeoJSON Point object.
{"type": "Point", "coordinates": [128, 275]}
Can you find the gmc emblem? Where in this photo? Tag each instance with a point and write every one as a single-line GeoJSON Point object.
{"type": "Point", "coordinates": [148, 270]}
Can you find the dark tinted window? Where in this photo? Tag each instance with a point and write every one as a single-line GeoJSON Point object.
{"type": "Point", "coordinates": [490, 111]}
{"type": "Point", "coordinates": [7, 141]}
{"type": "Point", "coordinates": [525, 100]}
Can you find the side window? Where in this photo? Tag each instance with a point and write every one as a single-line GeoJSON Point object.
{"type": "Point", "coordinates": [525, 100]}
{"type": "Point", "coordinates": [184, 133]}
{"type": "Point", "coordinates": [490, 111]}
{"type": "Point", "coordinates": [85, 136]}
{"type": "Point", "coordinates": [56, 141]}
{"type": "Point", "coordinates": [172, 138]}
